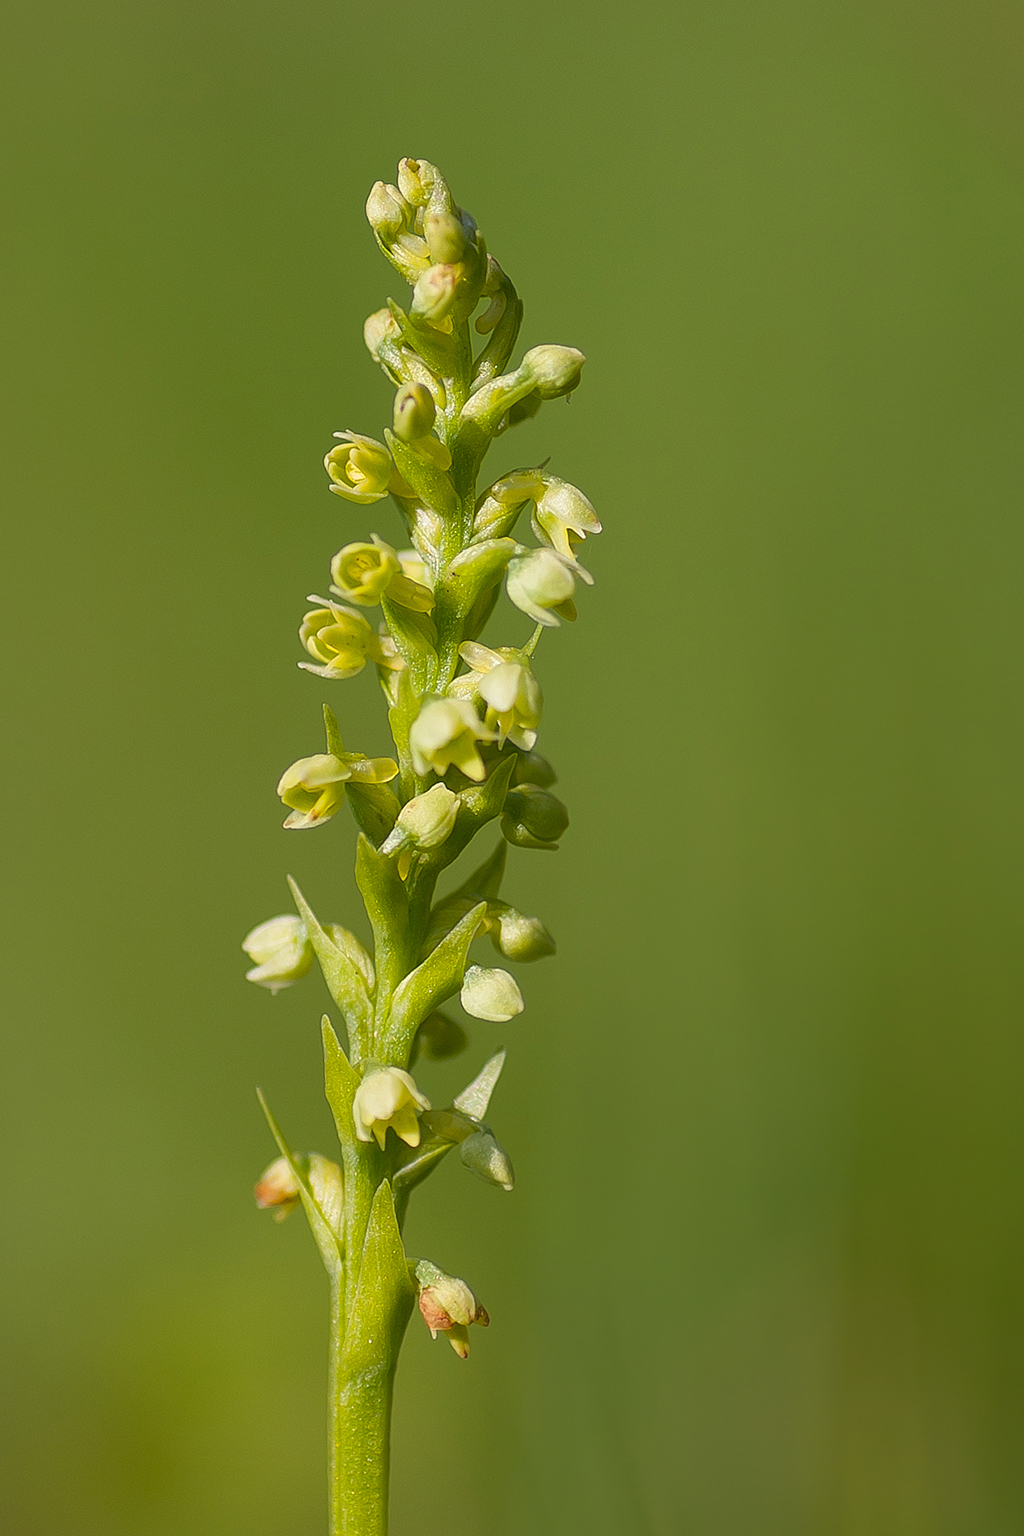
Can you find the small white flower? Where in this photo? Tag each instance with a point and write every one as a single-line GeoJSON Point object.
{"type": "Point", "coordinates": [388, 1097]}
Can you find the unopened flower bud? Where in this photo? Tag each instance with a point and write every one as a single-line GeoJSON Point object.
{"type": "Point", "coordinates": [435, 293]}
{"type": "Point", "coordinates": [556, 370]}
{"type": "Point", "coordinates": [278, 1189]}
{"type": "Point", "coordinates": [378, 328]}
{"type": "Point", "coordinates": [281, 951]}
{"type": "Point", "coordinates": [563, 515]}
{"type": "Point", "coordinates": [448, 1306]}
{"type": "Point", "coordinates": [387, 211]}
{"type": "Point", "coordinates": [414, 412]}
{"type": "Point", "coordinates": [427, 820]}
{"type": "Point", "coordinates": [490, 994]}
{"type": "Point", "coordinates": [541, 583]}
{"type": "Point", "coordinates": [538, 810]}
{"type": "Point", "coordinates": [424, 822]}
{"type": "Point", "coordinates": [531, 768]}
{"type": "Point", "coordinates": [517, 936]}
{"type": "Point", "coordinates": [416, 179]}
{"type": "Point", "coordinates": [446, 236]}
{"type": "Point", "coordinates": [388, 1097]}
{"type": "Point", "coordinates": [441, 1037]}
{"type": "Point", "coordinates": [445, 734]}
{"type": "Point", "coordinates": [482, 1155]}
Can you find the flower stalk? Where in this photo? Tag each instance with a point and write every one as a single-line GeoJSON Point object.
{"type": "Point", "coordinates": [464, 718]}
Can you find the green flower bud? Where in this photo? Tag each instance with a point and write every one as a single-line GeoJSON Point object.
{"type": "Point", "coordinates": [281, 952]}
{"type": "Point", "coordinates": [416, 180]}
{"type": "Point", "coordinates": [490, 994]}
{"type": "Point", "coordinates": [517, 936]}
{"type": "Point", "coordinates": [441, 1037]}
{"type": "Point", "coordinates": [531, 768]}
{"type": "Point", "coordinates": [541, 583]}
{"type": "Point", "coordinates": [563, 515]}
{"type": "Point", "coordinates": [505, 682]}
{"type": "Point", "coordinates": [340, 640]}
{"type": "Point", "coordinates": [556, 370]}
{"type": "Point", "coordinates": [387, 1096]}
{"type": "Point", "coordinates": [448, 1306]}
{"type": "Point", "coordinates": [424, 822]}
{"type": "Point", "coordinates": [445, 734]}
{"type": "Point", "coordinates": [446, 236]}
{"type": "Point", "coordinates": [414, 412]}
{"type": "Point", "coordinates": [360, 468]}
{"type": "Point", "coordinates": [278, 1189]}
{"type": "Point", "coordinates": [314, 787]}
{"type": "Point", "coordinates": [435, 294]}
{"type": "Point", "coordinates": [483, 1155]}
{"type": "Point", "coordinates": [428, 819]}
{"type": "Point", "coordinates": [542, 814]}
{"type": "Point", "coordinates": [387, 211]}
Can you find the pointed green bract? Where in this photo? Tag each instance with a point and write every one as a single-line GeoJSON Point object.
{"type": "Point", "coordinates": [345, 981]}
{"type": "Point", "coordinates": [331, 1247]}
{"type": "Point", "coordinates": [384, 1294]}
{"type": "Point", "coordinates": [474, 1099]}
{"type": "Point", "coordinates": [433, 981]}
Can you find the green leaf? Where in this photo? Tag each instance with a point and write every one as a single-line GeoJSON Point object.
{"type": "Point", "coordinates": [474, 1099]}
{"type": "Point", "coordinates": [384, 1295]}
{"type": "Point", "coordinates": [375, 808]}
{"type": "Point", "coordinates": [428, 986]}
{"type": "Point", "coordinates": [330, 1246]}
{"type": "Point", "coordinates": [431, 483]}
{"type": "Point", "coordinates": [345, 981]}
{"type": "Point", "coordinates": [340, 1084]}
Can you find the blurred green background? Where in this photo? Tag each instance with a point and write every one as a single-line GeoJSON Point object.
{"type": "Point", "coordinates": [762, 1270]}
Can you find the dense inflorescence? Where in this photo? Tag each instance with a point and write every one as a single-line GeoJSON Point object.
{"type": "Point", "coordinates": [464, 717]}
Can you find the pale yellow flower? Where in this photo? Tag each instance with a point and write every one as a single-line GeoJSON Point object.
{"type": "Point", "coordinates": [388, 1097]}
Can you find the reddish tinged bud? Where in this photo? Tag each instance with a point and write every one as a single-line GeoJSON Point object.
{"type": "Point", "coordinates": [448, 1306]}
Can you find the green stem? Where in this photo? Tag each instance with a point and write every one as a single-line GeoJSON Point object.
{"type": "Point", "coordinates": [361, 1383]}
{"type": "Point", "coordinates": [360, 1433]}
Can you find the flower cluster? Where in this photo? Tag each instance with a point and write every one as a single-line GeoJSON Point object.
{"type": "Point", "coordinates": [465, 717]}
